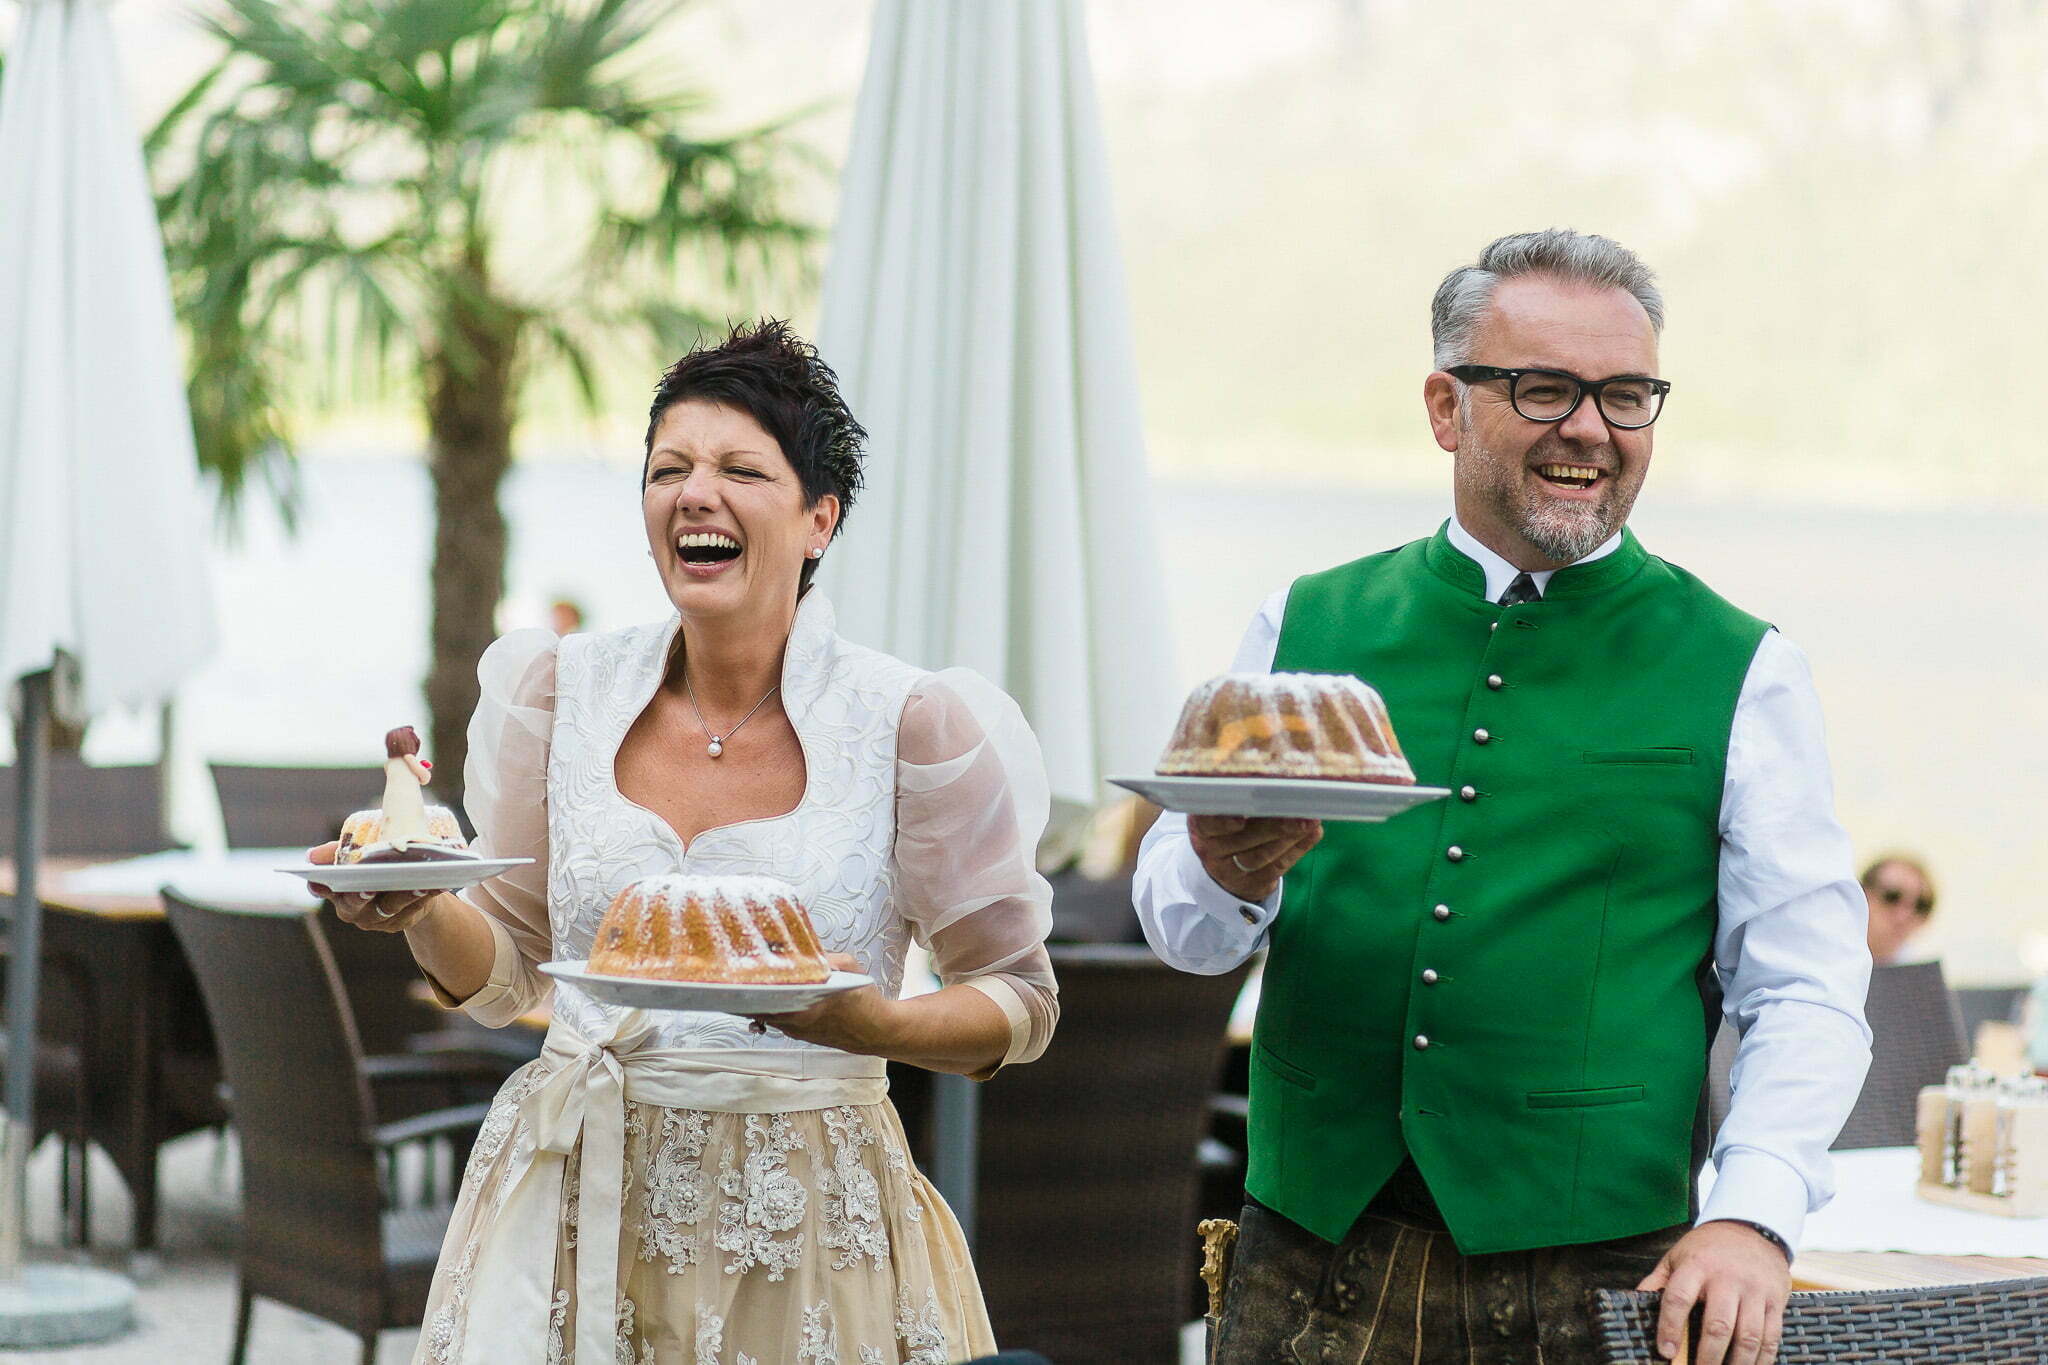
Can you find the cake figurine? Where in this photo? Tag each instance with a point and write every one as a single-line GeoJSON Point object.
{"type": "Point", "coordinates": [405, 829]}
{"type": "Point", "coordinates": [1327, 726]}
{"type": "Point", "coordinates": [750, 930]}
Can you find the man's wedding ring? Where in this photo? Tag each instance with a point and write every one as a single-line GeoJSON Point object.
{"type": "Point", "coordinates": [1239, 863]}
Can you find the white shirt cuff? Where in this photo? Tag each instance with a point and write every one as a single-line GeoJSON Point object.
{"type": "Point", "coordinates": [1756, 1187]}
{"type": "Point", "coordinates": [1212, 900]}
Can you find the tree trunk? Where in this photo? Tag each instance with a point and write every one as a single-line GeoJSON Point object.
{"type": "Point", "coordinates": [471, 403]}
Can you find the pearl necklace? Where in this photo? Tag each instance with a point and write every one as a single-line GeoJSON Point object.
{"type": "Point", "coordinates": [717, 745]}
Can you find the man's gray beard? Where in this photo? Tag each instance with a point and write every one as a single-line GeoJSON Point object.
{"type": "Point", "coordinates": [1565, 531]}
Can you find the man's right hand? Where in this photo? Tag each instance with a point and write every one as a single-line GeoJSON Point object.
{"type": "Point", "coordinates": [1247, 856]}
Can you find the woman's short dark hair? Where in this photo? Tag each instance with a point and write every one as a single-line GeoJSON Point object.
{"type": "Point", "coordinates": [775, 377]}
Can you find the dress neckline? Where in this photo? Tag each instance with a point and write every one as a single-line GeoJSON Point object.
{"type": "Point", "coordinates": [805, 655]}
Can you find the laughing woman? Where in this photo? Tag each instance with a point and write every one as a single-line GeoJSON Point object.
{"type": "Point", "coordinates": [683, 1187]}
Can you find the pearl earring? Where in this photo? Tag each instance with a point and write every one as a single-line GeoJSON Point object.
{"type": "Point", "coordinates": [817, 552]}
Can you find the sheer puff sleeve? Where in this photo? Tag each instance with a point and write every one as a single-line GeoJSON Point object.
{"type": "Point", "coordinates": [505, 791]}
{"type": "Point", "coordinates": [971, 804]}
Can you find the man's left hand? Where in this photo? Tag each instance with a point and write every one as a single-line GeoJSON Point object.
{"type": "Point", "coordinates": [1743, 1280]}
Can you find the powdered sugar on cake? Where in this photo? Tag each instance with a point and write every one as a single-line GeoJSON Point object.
{"type": "Point", "coordinates": [680, 927]}
{"type": "Point", "coordinates": [1325, 726]}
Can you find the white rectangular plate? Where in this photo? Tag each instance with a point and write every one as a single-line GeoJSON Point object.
{"type": "Point", "coordinates": [1288, 797]}
{"type": "Point", "coordinates": [726, 997]}
{"type": "Point", "coordinates": [450, 875]}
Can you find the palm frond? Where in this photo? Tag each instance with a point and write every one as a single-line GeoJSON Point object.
{"type": "Point", "coordinates": [325, 193]}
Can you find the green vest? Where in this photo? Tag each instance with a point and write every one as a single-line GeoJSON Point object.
{"type": "Point", "coordinates": [1506, 984]}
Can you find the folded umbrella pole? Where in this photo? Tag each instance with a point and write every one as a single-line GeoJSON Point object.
{"type": "Point", "coordinates": [96, 456]}
{"type": "Point", "coordinates": [40, 1305]}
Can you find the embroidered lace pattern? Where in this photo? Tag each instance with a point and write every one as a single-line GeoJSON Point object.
{"type": "Point", "coordinates": [762, 1198]}
{"type": "Point", "coordinates": [441, 1341]}
{"type": "Point", "coordinates": [678, 1191]}
{"type": "Point", "coordinates": [918, 1332]}
{"type": "Point", "coordinates": [853, 1197]}
{"type": "Point", "coordinates": [819, 1342]}
{"type": "Point", "coordinates": [558, 1321]}
{"type": "Point", "coordinates": [623, 1350]}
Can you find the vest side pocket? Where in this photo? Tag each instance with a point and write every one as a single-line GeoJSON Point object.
{"type": "Point", "coordinates": [1282, 1068]}
{"type": "Point", "coordinates": [1598, 1097]}
{"type": "Point", "coordinates": [1279, 1126]}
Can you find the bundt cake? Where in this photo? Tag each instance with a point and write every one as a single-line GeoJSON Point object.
{"type": "Point", "coordinates": [364, 830]}
{"type": "Point", "coordinates": [1302, 725]}
{"type": "Point", "coordinates": [733, 929]}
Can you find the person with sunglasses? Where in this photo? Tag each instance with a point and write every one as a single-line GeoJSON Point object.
{"type": "Point", "coordinates": [1484, 1025]}
{"type": "Point", "coordinates": [1901, 896]}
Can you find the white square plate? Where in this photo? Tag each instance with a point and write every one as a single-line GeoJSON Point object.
{"type": "Point", "coordinates": [725, 997]}
{"type": "Point", "coordinates": [1286, 797]}
{"type": "Point", "coordinates": [449, 874]}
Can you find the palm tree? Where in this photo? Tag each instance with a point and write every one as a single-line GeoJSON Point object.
{"type": "Point", "coordinates": [446, 201]}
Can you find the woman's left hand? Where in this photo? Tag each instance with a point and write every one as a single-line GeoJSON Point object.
{"type": "Point", "coordinates": [859, 1021]}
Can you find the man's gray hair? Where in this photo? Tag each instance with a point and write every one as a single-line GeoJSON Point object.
{"type": "Point", "coordinates": [1462, 299]}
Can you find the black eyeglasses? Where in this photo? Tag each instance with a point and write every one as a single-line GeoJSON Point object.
{"type": "Point", "coordinates": [1891, 895]}
{"type": "Point", "coordinates": [1628, 401]}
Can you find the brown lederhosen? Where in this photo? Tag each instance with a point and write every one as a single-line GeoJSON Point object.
{"type": "Point", "coordinates": [1397, 1290]}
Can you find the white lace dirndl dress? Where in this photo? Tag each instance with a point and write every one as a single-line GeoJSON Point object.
{"type": "Point", "coordinates": [669, 1187]}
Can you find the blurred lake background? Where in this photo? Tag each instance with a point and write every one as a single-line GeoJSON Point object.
{"type": "Point", "coordinates": [1846, 202]}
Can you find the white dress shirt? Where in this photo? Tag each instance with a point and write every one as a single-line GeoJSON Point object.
{"type": "Point", "coordinates": [1789, 945]}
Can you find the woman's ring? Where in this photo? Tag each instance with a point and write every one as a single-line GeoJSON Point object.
{"type": "Point", "coordinates": [756, 1026]}
{"type": "Point", "coordinates": [1239, 862]}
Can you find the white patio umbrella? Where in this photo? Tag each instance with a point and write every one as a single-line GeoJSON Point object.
{"type": "Point", "coordinates": [103, 583]}
{"type": "Point", "coordinates": [975, 310]}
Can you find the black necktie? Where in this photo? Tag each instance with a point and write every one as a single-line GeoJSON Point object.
{"type": "Point", "coordinates": [1523, 589]}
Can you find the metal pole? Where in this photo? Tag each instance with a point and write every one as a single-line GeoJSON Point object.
{"type": "Point", "coordinates": [24, 952]}
{"type": "Point", "coordinates": [956, 1138]}
{"type": "Point", "coordinates": [167, 811]}
{"type": "Point", "coordinates": [40, 1305]}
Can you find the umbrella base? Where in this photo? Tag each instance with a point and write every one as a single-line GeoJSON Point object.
{"type": "Point", "coordinates": [61, 1305]}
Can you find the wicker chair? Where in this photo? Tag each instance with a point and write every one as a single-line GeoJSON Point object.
{"type": "Point", "coordinates": [94, 812]}
{"type": "Point", "coordinates": [1088, 1161]}
{"type": "Point", "coordinates": [290, 807]}
{"type": "Point", "coordinates": [1916, 1036]}
{"type": "Point", "coordinates": [1093, 909]}
{"type": "Point", "coordinates": [1987, 1005]}
{"type": "Point", "coordinates": [2004, 1322]}
{"type": "Point", "coordinates": [64, 1028]}
{"type": "Point", "coordinates": [317, 1230]}
{"type": "Point", "coordinates": [60, 1100]}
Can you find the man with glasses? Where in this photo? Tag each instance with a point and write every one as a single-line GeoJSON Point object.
{"type": "Point", "coordinates": [1482, 1039]}
{"type": "Point", "coordinates": [1900, 894]}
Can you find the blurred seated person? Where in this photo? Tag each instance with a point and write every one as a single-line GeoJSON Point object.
{"type": "Point", "coordinates": [565, 616]}
{"type": "Point", "coordinates": [1901, 896]}
{"type": "Point", "coordinates": [1091, 900]}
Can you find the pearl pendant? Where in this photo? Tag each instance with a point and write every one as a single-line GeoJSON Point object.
{"type": "Point", "coordinates": [714, 748]}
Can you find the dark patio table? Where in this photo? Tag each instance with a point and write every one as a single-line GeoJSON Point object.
{"type": "Point", "coordinates": [152, 1068]}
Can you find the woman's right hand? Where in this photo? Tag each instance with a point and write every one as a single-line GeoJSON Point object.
{"type": "Point", "coordinates": [383, 912]}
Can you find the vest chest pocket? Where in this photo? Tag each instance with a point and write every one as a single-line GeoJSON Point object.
{"type": "Point", "coordinates": [1658, 757]}
{"type": "Point", "coordinates": [1597, 1098]}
